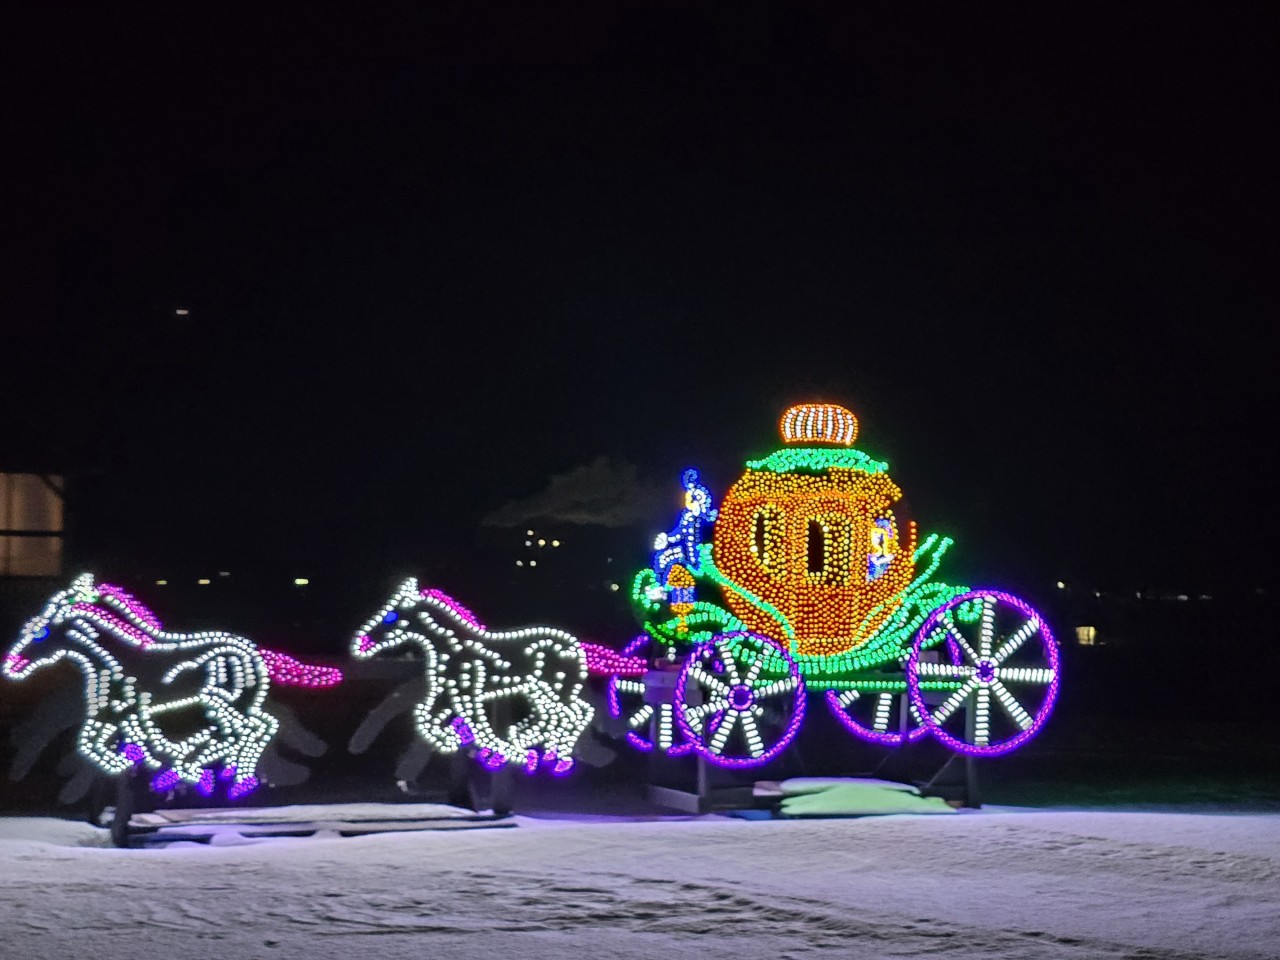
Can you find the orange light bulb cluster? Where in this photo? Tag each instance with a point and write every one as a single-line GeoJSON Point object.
{"type": "Point", "coordinates": [821, 545]}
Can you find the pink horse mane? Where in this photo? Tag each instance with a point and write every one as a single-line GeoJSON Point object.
{"type": "Point", "coordinates": [281, 667]}
{"type": "Point", "coordinates": [454, 607]}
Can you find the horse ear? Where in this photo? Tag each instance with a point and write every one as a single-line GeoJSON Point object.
{"type": "Point", "coordinates": [409, 588]}
{"type": "Point", "coordinates": [83, 586]}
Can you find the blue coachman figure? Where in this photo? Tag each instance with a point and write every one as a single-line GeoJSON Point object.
{"type": "Point", "coordinates": [676, 552]}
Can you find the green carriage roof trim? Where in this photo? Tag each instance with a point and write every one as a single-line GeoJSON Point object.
{"type": "Point", "coordinates": [793, 459]}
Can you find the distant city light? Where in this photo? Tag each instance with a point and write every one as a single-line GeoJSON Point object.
{"type": "Point", "coordinates": [528, 533]}
{"type": "Point", "coordinates": [528, 543]}
{"type": "Point", "coordinates": [555, 543]}
{"type": "Point", "coordinates": [181, 311]}
{"type": "Point", "coordinates": [1061, 585]}
{"type": "Point", "coordinates": [542, 543]}
{"type": "Point", "coordinates": [224, 573]}
{"type": "Point", "coordinates": [519, 563]}
{"type": "Point", "coordinates": [1086, 636]}
{"type": "Point", "coordinates": [533, 563]}
{"type": "Point", "coordinates": [300, 581]}
{"type": "Point", "coordinates": [613, 587]}
{"type": "Point", "coordinates": [162, 583]}
{"type": "Point", "coordinates": [203, 582]}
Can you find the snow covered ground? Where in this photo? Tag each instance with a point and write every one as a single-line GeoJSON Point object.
{"type": "Point", "coordinates": [999, 882]}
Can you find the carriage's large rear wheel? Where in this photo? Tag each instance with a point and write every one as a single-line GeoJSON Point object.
{"type": "Point", "coordinates": [739, 699]}
{"type": "Point", "coordinates": [993, 672]}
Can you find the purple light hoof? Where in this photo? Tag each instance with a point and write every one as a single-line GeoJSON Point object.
{"type": "Point", "coordinates": [165, 780]}
{"type": "Point", "coordinates": [463, 730]}
{"type": "Point", "coordinates": [243, 787]}
{"type": "Point", "coordinates": [205, 785]}
{"type": "Point", "coordinates": [133, 753]}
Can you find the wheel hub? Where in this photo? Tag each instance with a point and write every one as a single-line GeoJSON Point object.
{"type": "Point", "coordinates": [986, 671]}
{"type": "Point", "coordinates": [741, 697]}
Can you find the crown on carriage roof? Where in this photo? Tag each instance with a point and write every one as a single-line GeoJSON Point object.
{"type": "Point", "coordinates": [819, 423]}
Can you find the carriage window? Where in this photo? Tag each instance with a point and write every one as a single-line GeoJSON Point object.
{"type": "Point", "coordinates": [817, 547]}
{"type": "Point", "coordinates": [766, 537]}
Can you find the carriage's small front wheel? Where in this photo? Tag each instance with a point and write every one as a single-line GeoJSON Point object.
{"type": "Point", "coordinates": [992, 655]}
{"type": "Point", "coordinates": [650, 723]}
{"type": "Point", "coordinates": [739, 699]}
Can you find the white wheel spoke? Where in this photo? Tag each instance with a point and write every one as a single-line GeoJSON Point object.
{"type": "Point", "coordinates": [988, 626]}
{"type": "Point", "coordinates": [695, 714]}
{"type": "Point", "coordinates": [641, 716]}
{"type": "Point", "coordinates": [1039, 675]}
{"type": "Point", "coordinates": [630, 686]}
{"type": "Point", "coordinates": [884, 702]}
{"type": "Point", "coordinates": [703, 678]}
{"type": "Point", "coordinates": [951, 670]}
{"type": "Point", "coordinates": [952, 703]}
{"type": "Point", "coordinates": [846, 697]}
{"type": "Point", "coordinates": [1011, 705]}
{"type": "Point", "coordinates": [721, 736]}
{"type": "Point", "coordinates": [664, 727]}
{"type": "Point", "coordinates": [982, 716]}
{"type": "Point", "coordinates": [752, 732]}
{"type": "Point", "coordinates": [785, 685]}
{"type": "Point", "coordinates": [725, 652]}
{"type": "Point", "coordinates": [1014, 641]}
{"type": "Point", "coordinates": [960, 638]}
{"type": "Point", "coordinates": [753, 672]}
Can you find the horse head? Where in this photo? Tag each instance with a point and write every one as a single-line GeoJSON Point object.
{"type": "Point", "coordinates": [45, 638]}
{"type": "Point", "coordinates": [387, 629]}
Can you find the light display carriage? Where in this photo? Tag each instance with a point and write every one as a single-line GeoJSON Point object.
{"type": "Point", "coordinates": [803, 583]}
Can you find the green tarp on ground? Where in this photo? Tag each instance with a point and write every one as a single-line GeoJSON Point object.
{"type": "Point", "coordinates": [848, 797]}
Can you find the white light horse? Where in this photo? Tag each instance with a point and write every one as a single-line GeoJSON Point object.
{"type": "Point", "coordinates": [515, 696]}
{"type": "Point", "coordinates": [198, 708]}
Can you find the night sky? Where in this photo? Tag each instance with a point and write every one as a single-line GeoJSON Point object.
{"type": "Point", "coordinates": [432, 261]}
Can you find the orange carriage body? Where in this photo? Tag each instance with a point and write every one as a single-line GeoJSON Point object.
{"type": "Point", "coordinates": [822, 546]}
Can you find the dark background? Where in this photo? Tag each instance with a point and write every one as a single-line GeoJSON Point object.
{"type": "Point", "coordinates": [434, 256]}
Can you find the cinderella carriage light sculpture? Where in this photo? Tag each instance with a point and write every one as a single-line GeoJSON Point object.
{"type": "Point", "coordinates": [803, 584]}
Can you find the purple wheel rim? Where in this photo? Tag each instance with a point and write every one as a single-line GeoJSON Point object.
{"type": "Point", "coordinates": [1048, 644]}
{"type": "Point", "coordinates": [699, 745]}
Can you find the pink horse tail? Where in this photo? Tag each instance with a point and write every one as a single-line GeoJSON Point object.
{"type": "Point", "coordinates": [286, 670]}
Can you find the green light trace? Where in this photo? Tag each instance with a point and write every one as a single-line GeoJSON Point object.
{"type": "Point", "coordinates": [812, 459]}
{"type": "Point", "coordinates": [886, 647]}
